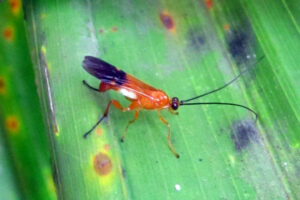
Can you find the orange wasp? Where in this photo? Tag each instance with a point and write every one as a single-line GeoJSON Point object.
{"type": "Point", "coordinates": [140, 94]}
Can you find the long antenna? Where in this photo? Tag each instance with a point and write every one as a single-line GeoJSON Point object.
{"type": "Point", "coordinates": [224, 86]}
{"type": "Point", "coordinates": [221, 103]}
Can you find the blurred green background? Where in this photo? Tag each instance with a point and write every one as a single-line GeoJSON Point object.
{"type": "Point", "coordinates": [185, 48]}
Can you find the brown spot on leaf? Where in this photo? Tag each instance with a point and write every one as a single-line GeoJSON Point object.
{"type": "Point", "coordinates": [209, 4]}
{"type": "Point", "coordinates": [15, 6]}
{"type": "Point", "coordinates": [101, 31]}
{"type": "Point", "coordinates": [226, 27]}
{"type": "Point", "coordinates": [12, 124]}
{"type": "Point", "coordinates": [2, 85]}
{"type": "Point", "coordinates": [55, 129]}
{"type": "Point", "coordinates": [99, 131]}
{"type": "Point", "coordinates": [102, 164]}
{"type": "Point", "coordinates": [106, 147]}
{"type": "Point", "coordinates": [167, 21]}
{"type": "Point", "coordinates": [8, 33]}
{"type": "Point", "coordinates": [114, 29]}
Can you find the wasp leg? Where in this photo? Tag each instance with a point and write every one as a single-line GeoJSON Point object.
{"type": "Point", "coordinates": [117, 105]}
{"type": "Point", "coordinates": [173, 112]}
{"type": "Point", "coordinates": [90, 87]}
{"type": "Point", "coordinates": [136, 115]}
{"type": "Point", "coordinates": [169, 134]}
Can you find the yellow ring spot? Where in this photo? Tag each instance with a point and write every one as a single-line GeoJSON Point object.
{"type": "Point", "coordinates": [102, 164]}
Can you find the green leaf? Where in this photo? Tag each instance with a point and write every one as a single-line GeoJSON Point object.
{"type": "Point", "coordinates": [25, 161]}
{"type": "Point", "coordinates": [9, 187]}
{"type": "Point", "coordinates": [185, 49]}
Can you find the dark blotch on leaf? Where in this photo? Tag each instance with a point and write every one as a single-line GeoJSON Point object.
{"type": "Point", "coordinates": [196, 39]}
{"type": "Point", "coordinates": [24, 12]}
{"type": "Point", "coordinates": [123, 172]}
{"type": "Point", "coordinates": [54, 172]}
{"type": "Point", "coordinates": [239, 43]}
{"type": "Point", "coordinates": [242, 133]}
{"type": "Point", "coordinates": [102, 164]}
{"type": "Point", "coordinates": [209, 4]}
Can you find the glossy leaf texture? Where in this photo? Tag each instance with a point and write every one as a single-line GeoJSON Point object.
{"type": "Point", "coordinates": [184, 48]}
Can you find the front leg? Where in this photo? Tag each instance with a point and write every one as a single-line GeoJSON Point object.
{"type": "Point", "coordinates": [173, 112]}
{"type": "Point", "coordinates": [169, 134]}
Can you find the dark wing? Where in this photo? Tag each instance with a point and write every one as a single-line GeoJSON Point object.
{"type": "Point", "coordinates": [110, 74]}
{"type": "Point", "coordinates": [103, 70]}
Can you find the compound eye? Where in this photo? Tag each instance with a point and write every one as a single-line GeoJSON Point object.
{"type": "Point", "coordinates": [175, 103]}
{"type": "Point", "coordinates": [174, 106]}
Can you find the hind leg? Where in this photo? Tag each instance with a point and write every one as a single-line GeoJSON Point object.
{"type": "Point", "coordinates": [136, 115]}
{"type": "Point", "coordinates": [117, 105]}
{"type": "Point", "coordinates": [90, 87]}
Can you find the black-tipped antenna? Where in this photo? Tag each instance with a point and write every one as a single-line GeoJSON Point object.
{"type": "Point", "coordinates": [221, 103]}
{"type": "Point", "coordinates": [220, 88]}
